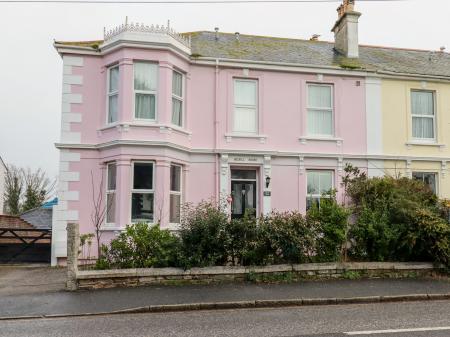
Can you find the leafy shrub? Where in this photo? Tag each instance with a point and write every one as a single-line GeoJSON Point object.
{"type": "Point", "coordinates": [428, 237]}
{"type": "Point", "coordinates": [331, 220]}
{"type": "Point", "coordinates": [286, 238]}
{"type": "Point", "coordinates": [397, 219]}
{"type": "Point", "coordinates": [242, 240]}
{"type": "Point", "coordinates": [203, 235]}
{"type": "Point", "coordinates": [141, 246]}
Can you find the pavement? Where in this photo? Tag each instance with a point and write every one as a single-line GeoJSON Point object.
{"type": "Point", "coordinates": [39, 292]}
{"type": "Point", "coordinates": [415, 319]}
{"type": "Point", "coordinates": [30, 279]}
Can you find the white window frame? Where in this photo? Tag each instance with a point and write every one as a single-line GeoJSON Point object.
{"type": "Point", "coordinates": [311, 108]}
{"type": "Point", "coordinates": [144, 191]}
{"type": "Point", "coordinates": [150, 92]}
{"type": "Point", "coordinates": [424, 140]}
{"type": "Point", "coordinates": [436, 178]}
{"type": "Point", "coordinates": [256, 106]}
{"type": "Point", "coordinates": [319, 196]}
{"type": "Point", "coordinates": [178, 98]}
{"type": "Point", "coordinates": [111, 93]}
{"type": "Point", "coordinates": [180, 193]}
{"type": "Point", "coordinates": [108, 192]}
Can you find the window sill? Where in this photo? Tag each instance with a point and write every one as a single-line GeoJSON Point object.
{"type": "Point", "coordinates": [111, 228]}
{"type": "Point", "coordinates": [305, 140]}
{"type": "Point", "coordinates": [229, 137]}
{"type": "Point", "coordinates": [424, 143]}
{"type": "Point", "coordinates": [163, 128]}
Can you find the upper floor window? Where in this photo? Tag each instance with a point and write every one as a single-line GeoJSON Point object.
{"type": "Point", "coordinates": [320, 110]}
{"type": "Point", "coordinates": [111, 170]}
{"type": "Point", "coordinates": [319, 185]}
{"type": "Point", "coordinates": [175, 194]}
{"type": "Point", "coordinates": [177, 98]}
{"type": "Point", "coordinates": [145, 87]}
{"type": "Point", "coordinates": [113, 94]}
{"type": "Point", "coordinates": [142, 193]}
{"type": "Point", "coordinates": [423, 115]}
{"type": "Point", "coordinates": [429, 179]}
{"type": "Point", "coordinates": [245, 117]}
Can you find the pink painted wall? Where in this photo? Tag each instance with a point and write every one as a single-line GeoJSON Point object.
{"type": "Point", "coordinates": [282, 118]}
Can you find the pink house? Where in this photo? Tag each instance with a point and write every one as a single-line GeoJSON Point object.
{"type": "Point", "coordinates": [153, 119]}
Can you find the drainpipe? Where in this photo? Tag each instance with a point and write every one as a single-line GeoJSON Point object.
{"type": "Point", "coordinates": [216, 130]}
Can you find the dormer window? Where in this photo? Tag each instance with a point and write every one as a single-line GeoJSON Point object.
{"type": "Point", "coordinates": [145, 88]}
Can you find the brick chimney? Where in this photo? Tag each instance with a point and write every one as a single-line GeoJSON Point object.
{"type": "Point", "coordinates": [346, 30]}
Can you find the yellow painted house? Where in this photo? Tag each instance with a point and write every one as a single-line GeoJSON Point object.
{"type": "Point", "coordinates": [416, 128]}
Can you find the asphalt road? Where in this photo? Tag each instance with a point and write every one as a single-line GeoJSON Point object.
{"type": "Point", "coordinates": [321, 321]}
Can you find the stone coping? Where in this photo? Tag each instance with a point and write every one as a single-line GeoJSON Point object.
{"type": "Point", "coordinates": [230, 270]}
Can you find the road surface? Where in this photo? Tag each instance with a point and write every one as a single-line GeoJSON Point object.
{"type": "Point", "coordinates": [412, 319]}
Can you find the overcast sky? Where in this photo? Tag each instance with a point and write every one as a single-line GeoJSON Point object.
{"type": "Point", "coordinates": [31, 73]}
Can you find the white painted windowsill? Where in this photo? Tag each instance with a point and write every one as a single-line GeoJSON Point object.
{"type": "Point", "coordinates": [230, 136]}
{"type": "Point", "coordinates": [419, 143]}
{"type": "Point", "coordinates": [111, 228]}
{"type": "Point", "coordinates": [304, 140]}
{"type": "Point", "coordinates": [124, 127]}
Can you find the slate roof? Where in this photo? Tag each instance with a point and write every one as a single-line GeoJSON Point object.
{"type": "Point", "coordinates": [309, 53]}
{"type": "Point", "coordinates": [319, 53]}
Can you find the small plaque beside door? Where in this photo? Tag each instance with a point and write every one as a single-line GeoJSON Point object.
{"type": "Point", "coordinates": [267, 193]}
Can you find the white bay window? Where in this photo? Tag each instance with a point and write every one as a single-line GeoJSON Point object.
{"type": "Point", "coordinates": [319, 185]}
{"type": "Point", "coordinates": [177, 98]}
{"type": "Point", "coordinates": [423, 115]}
{"type": "Point", "coordinates": [245, 119]}
{"type": "Point", "coordinates": [113, 94]}
{"type": "Point", "coordinates": [320, 110]}
{"type": "Point", "coordinates": [142, 193]}
{"type": "Point", "coordinates": [175, 194]}
{"type": "Point", "coordinates": [111, 173]}
{"type": "Point", "coordinates": [145, 88]}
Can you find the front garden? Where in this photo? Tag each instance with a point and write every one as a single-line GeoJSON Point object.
{"type": "Point", "coordinates": [383, 219]}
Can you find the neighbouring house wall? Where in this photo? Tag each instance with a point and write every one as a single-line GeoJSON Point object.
{"type": "Point", "coordinates": [397, 122]}
{"type": "Point", "coordinates": [397, 132]}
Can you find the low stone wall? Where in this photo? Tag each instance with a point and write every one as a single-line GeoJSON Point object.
{"type": "Point", "coordinates": [95, 279]}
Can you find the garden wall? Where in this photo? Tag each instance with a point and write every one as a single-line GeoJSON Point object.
{"type": "Point", "coordinates": [96, 279]}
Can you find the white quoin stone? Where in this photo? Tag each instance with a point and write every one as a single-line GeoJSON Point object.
{"type": "Point", "coordinates": [346, 32]}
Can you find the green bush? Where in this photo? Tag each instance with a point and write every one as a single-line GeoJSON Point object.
{"type": "Point", "coordinates": [286, 238]}
{"type": "Point", "coordinates": [203, 235]}
{"type": "Point", "coordinates": [331, 220]}
{"type": "Point", "coordinates": [141, 246]}
{"type": "Point", "coordinates": [242, 241]}
{"type": "Point", "coordinates": [427, 238]}
{"type": "Point", "coordinates": [397, 219]}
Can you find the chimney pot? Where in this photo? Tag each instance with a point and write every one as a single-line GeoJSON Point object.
{"type": "Point", "coordinates": [216, 29]}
